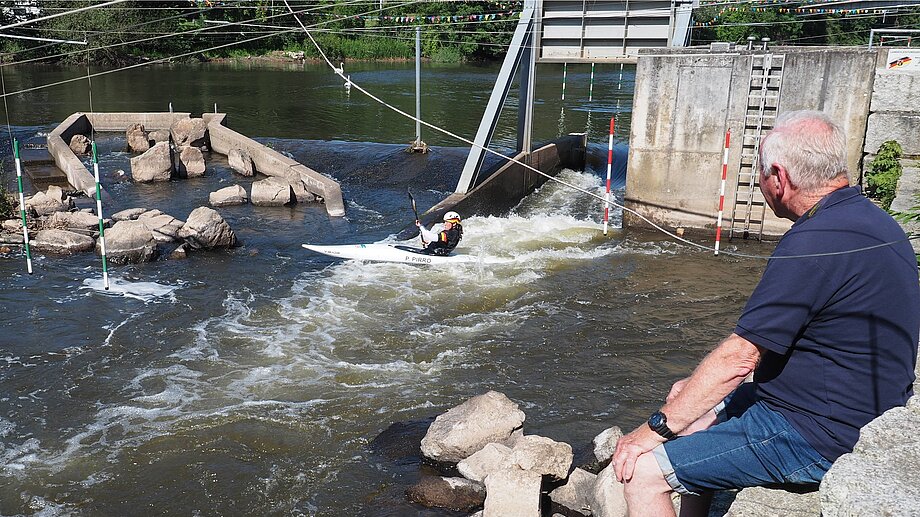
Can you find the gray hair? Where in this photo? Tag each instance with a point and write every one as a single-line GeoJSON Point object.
{"type": "Point", "coordinates": [811, 147]}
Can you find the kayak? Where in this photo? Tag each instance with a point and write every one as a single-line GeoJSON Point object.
{"type": "Point", "coordinates": [392, 253]}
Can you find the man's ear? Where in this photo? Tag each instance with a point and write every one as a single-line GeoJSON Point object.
{"type": "Point", "coordinates": [781, 183]}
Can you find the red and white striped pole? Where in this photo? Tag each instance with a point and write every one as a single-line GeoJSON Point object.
{"type": "Point", "coordinates": [728, 135]}
{"type": "Point", "coordinates": [609, 167]}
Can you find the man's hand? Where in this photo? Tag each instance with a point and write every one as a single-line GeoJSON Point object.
{"type": "Point", "coordinates": [676, 388]}
{"type": "Point", "coordinates": [630, 447]}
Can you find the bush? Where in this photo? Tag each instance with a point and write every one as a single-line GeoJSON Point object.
{"type": "Point", "coordinates": [884, 172]}
{"type": "Point", "coordinates": [8, 209]}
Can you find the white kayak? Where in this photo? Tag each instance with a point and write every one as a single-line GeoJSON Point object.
{"type": "Point", "coordinates": [393, 253]}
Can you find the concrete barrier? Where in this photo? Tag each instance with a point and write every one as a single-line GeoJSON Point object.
{"type": "Point", "coordinates": [685, 100]}
{"type": "Point", "coordinates": [303, 179]}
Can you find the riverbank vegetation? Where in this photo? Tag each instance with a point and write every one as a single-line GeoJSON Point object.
{"type": "Point", "coordinates": [883, 174]}
{"type": "Point", "coordinates": [135, 31]}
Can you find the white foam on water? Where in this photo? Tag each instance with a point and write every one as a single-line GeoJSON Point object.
{"type": "Point", "coordinates": [143, 291]}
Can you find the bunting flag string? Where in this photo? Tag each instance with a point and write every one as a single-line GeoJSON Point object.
{"type": "Point", "coordinates": [784, 10]}
{"type": "Point", "coordinates": [442, 19]}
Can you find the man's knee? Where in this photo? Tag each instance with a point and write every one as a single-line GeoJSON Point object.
{"type": "Point", "coordinates": [647, 478]}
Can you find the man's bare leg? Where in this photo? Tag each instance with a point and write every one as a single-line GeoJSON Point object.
{"type": "Point", "coordinates": [647, 493]}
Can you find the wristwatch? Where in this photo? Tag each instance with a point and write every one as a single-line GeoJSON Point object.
{"type": "Point", "coordinates": [659, 423]}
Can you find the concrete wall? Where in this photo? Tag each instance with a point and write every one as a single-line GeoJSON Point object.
{"type": "Point", "coordinates": [685, 100]}
{"type": "Point", "coordinates": [65, 159]}
{"type": "Point", "coordinates": [895, 109]}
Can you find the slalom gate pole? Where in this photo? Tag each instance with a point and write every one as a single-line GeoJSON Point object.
{"type": "Point", "coordinates": [591, 85]}
{"type": "Point", "coordinates": [22, 206]}
{"type": "Point", "coordinates": [105, 268]}
{"type": "Point", "coordinates": [728, 135]}
{"type": "Point", "coordinates": [565, 67]}
{"type": "Point", "coordinates": [609, 167]}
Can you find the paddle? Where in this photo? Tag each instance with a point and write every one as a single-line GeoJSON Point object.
{"type": "Point", "coordinates": [415, 211]}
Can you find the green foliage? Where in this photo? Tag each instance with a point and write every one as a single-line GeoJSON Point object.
{"type": "Point", "coordinates": [884, 172]}
{"type": "Point", "coordinates": [791, 27]}
{"type": "Point", "coordinates": [7, 208]}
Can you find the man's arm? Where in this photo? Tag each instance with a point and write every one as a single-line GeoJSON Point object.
{"type": "Point", "coordinates": [717, 375]}
{"type": "Point", "coordinates": [427, 235]}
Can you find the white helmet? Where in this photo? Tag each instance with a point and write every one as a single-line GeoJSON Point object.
{"type": "Point", "coordinates": [452, 216]}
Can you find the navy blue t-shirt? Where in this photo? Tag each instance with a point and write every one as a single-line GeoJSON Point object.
{"type": "Point", "coordinates": [840, 331]}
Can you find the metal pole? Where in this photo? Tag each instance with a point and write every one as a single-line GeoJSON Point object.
{"type": "Point", "coordinates": [105, 268]}
{"type": "Point", "coordinates": [22, 206]}
{"type": "Point", "coordinates": [418, 88]}
{"type": "Point", "coordinates": [609, 167]}
{"type": "Point", "coordinates": [728, 135]}
{"type": "Point", "coordinates": [591, 87]}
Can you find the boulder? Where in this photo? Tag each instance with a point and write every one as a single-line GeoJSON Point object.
{"type": "Point", "coordinates": [458, 494]}
{"type": "Point", "coordinates": [190, 163]}
{"type": "Point", "coordinates": [606, 497]}
{"type": "Point", "coordinates": [129, 242]}
{"type": "Point", "coordinates": [190, 131]}
{"type": "Point", "coordinates": [241, 162]}
{"type": "Point", "coordinates": [160, 135]}
{"type": "Point", "coordinates": [12, 225]}
{"type": "Point", "coordinates": [74, 220]}
{"type": "Point", "coordinates": [50, 201]}
{"type": "Point", "coordinates": [574, 494]}
{"type": "Point", "coordinates": [79, 144]}
{"type": "Point", "coordinates": [881, 475]}
{"type": "Point", "coordinates": [128, 215]}
{"type": "Point", "coordinates": [542, 455]}
{"type": "Point", "coordinates": [206, 229]}
{"type": "Point", "coordinates": [761, 501]}
{"type": "Point", "coordinates": [605, 443]}
{"type": "Point", "coordinates": [137, 138]}
{"type": "Point", "coordinates": [271, 192]}
{"type": "Point", "coordinates": [164, 227]}
{"type": "Point", "coordinates": [227, 196]}
{"type": "Point", "coordinates": [154, 165]}
{"type": "Point", "coordinates": [61, 242]}
{"type": "Point", "coordinates": [512, 492]}
{"type": "Point", "coordinates": [485, 461]}
{"type": "Point", "coordinates": [465, 429]}
{"type": "Point", "coordinates": [179, 253]}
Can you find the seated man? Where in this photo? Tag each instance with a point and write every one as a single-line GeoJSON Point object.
{"type": "Point", "coordinates": [829, 350]}
{"type": "Point", "coordinates": [442, 239]}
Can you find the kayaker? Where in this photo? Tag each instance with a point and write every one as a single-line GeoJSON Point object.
{"type": "Point", "coordinates": [442, 238]}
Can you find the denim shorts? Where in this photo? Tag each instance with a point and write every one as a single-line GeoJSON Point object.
{"type": "Point", "coordinates": [752, 445]}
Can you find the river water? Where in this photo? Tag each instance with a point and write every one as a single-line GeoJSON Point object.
{"type": "Point", "coordinates": [252, 381]}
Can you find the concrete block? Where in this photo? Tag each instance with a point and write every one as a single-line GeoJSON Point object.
{"type": "Point", "coordinates": [896, 90]}
{"type": "Point", "coordinates": [902, 127]}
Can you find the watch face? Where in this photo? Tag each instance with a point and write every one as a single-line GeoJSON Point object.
{"type": "Point", "coordinates": [656, 420]}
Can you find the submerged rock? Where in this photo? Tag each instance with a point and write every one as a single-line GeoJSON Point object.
{"type": "Point", "coordinates": [206, 229]}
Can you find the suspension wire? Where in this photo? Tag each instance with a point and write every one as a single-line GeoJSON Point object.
{"type": "Point", "coordinates": [71, 11]}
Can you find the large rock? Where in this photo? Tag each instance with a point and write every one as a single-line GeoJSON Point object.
{"type": "Point", "coordinates": [74, 220]}
{"type": "Point", "coordinates": [154, 165]}
{"type": "Point", "coordinates": [79, 144]}
{"type": "Point", "coordinates": [46, 203]}
{"type": "Point", "coordinates": [542, 455]}
{"type": "Point", "coordinates": [484, 461]}
{"type": "Point", "coordinates": [465, 429]}
{"type": "Point", "coordinates": [271, 192]}
{"type": "Point", "coordinates": [607, 498]}
{"type": "Point", "coordinates": [456, 494]}
{"type": "Point", "coordinates": [190, 163]}
{"type": "Point", "coordinates": [129, 214]}
{"type": "Point", "coordinates": [189, 131]}
{"type": "Point", "coordinates": [881, 475]}
{"type": "Point", "coordinates": [137, 138]}
{"type": "Point", "coordinates": [227, 196]}
{"type": "Point", "coordinates": [128, 242]}
{"type": "Point", "coordinates": [206, 229]}
{"type": "Point", "coordinates": [774, 502]}
{"type": "Point", "coordinates": [61, 242]}
{"type": "Point", "coordinates": [605, 443]}
{"type": "Point", "coordinates": [164, 227]}
{"type": "Point", "coordinates": [241, 162]}
{"type": "Point", "coordinates": [512, 492]}
{"type": "Point", "coordinates": [575, 493]}
{"type": "Point", "coordinates": [160, 135]}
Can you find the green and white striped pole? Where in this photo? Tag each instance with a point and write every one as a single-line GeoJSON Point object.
{"type": "Point", "coordinates": [565, 67]}
{"type": "Point", "coordinates": [22, 206]}
{"type": "Point", "coordinates": [591, 87]}
{"type": "Point", "coordinates": [105, 268]}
